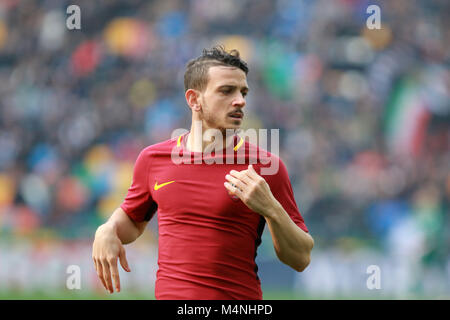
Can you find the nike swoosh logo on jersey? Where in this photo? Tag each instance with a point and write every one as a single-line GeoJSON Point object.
{"type": "Point", "coordinates": [157, 186]}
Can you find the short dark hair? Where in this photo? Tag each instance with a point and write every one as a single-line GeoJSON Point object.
{"type": "Point", "coordinates": [196, 75]}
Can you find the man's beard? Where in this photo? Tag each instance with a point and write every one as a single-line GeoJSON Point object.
{"type": "Point", "coordinates": [212, 121]}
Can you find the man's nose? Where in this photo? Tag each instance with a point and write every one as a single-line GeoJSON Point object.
{"type": "Point", "coordinates": [239, 101]}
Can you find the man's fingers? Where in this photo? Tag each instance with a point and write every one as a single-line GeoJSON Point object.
{"type": "Point", "coordinates": [114, 273]}
{"type": "Point", "coordinates": [123, 260]}
{"type": "Point", "coordinates": [233, 189]}
{"type": "Point", "coordinates": [252, 173]}
{"type": "Point", "coordinates": [107, 276]}
{"type": "Point", "coordinates": [236, 182]}
{"type": "Point", "coordinates": [241, 175]}
{"type": "Point", "coordinates": [98, 267]}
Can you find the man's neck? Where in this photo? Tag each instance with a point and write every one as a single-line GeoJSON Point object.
{"type": "Point", "coordinates": [196, 143]}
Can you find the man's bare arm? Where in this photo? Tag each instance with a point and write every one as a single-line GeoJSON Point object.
{"type": "Point", "coordinates": [126, 229]}
{"type": "Point", "coordinates": [108, 246]}
{"type": "Point", "coordinates": [292, 245]}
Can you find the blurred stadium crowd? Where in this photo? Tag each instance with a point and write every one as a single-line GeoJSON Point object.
{"type": "Point", "coordinates": [363, 114]}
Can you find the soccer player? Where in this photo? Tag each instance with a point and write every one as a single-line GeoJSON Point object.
{"type": "Point", "coordinates": [210, 215]}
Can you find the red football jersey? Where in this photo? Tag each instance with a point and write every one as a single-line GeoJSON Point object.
{"type": "Point", "coordinates": [207, 239]}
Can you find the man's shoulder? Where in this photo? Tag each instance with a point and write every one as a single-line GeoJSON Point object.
{"type": "Point", "coordinates": [163, 146]}
{"type": "Point", "coordinates": [261, 153]}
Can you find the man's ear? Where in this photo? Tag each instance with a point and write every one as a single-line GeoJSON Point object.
{"type": "Point", "coordinates": [193, 99]}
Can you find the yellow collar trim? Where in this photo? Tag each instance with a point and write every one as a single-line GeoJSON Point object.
{"type": "Point", "coordinates": [235, 148]}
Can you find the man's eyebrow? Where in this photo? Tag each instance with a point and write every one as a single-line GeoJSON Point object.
{"type": "Point", "coordinates": [231, 86]}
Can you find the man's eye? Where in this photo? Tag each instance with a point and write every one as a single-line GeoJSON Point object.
{"type": "Point", "coordinates": [226, 91]}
